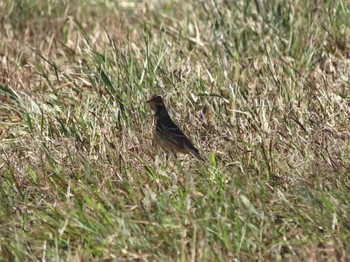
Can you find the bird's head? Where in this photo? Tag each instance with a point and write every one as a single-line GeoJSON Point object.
{"type": "Point", "coordinates": [155, 102]}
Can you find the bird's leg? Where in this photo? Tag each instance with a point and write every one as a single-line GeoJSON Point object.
{"type": "Point", "coordinates": [172, 156]}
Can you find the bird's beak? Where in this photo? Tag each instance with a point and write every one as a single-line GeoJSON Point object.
{"type": "Point", "coordinates": [149, 100]}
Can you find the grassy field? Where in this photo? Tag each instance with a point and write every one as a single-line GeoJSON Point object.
{"type": "Point", "coordinates": [261, 87]}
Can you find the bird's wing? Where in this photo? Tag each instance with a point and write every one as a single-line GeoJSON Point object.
{"type": "Point", "coordinates": [174, 135]}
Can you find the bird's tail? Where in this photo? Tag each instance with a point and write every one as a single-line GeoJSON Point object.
{"type": "Point", "coordinates": [196, 154]}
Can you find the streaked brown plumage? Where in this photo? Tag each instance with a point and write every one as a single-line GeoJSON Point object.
{"type": "Point", "coordinates": [166, 133]}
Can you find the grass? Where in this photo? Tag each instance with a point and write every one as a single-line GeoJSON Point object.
{"type": "Point", "coordinates": [261, 87]}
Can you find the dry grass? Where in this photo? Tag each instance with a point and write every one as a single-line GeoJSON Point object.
{"type": "Point", "coordinates": [262, 88]}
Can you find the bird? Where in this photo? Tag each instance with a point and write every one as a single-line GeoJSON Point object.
{"type": "Point", "coordinates": [166, 133]}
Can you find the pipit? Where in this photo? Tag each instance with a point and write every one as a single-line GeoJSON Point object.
{"type": "Point", "coordinates": [166, 133]}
